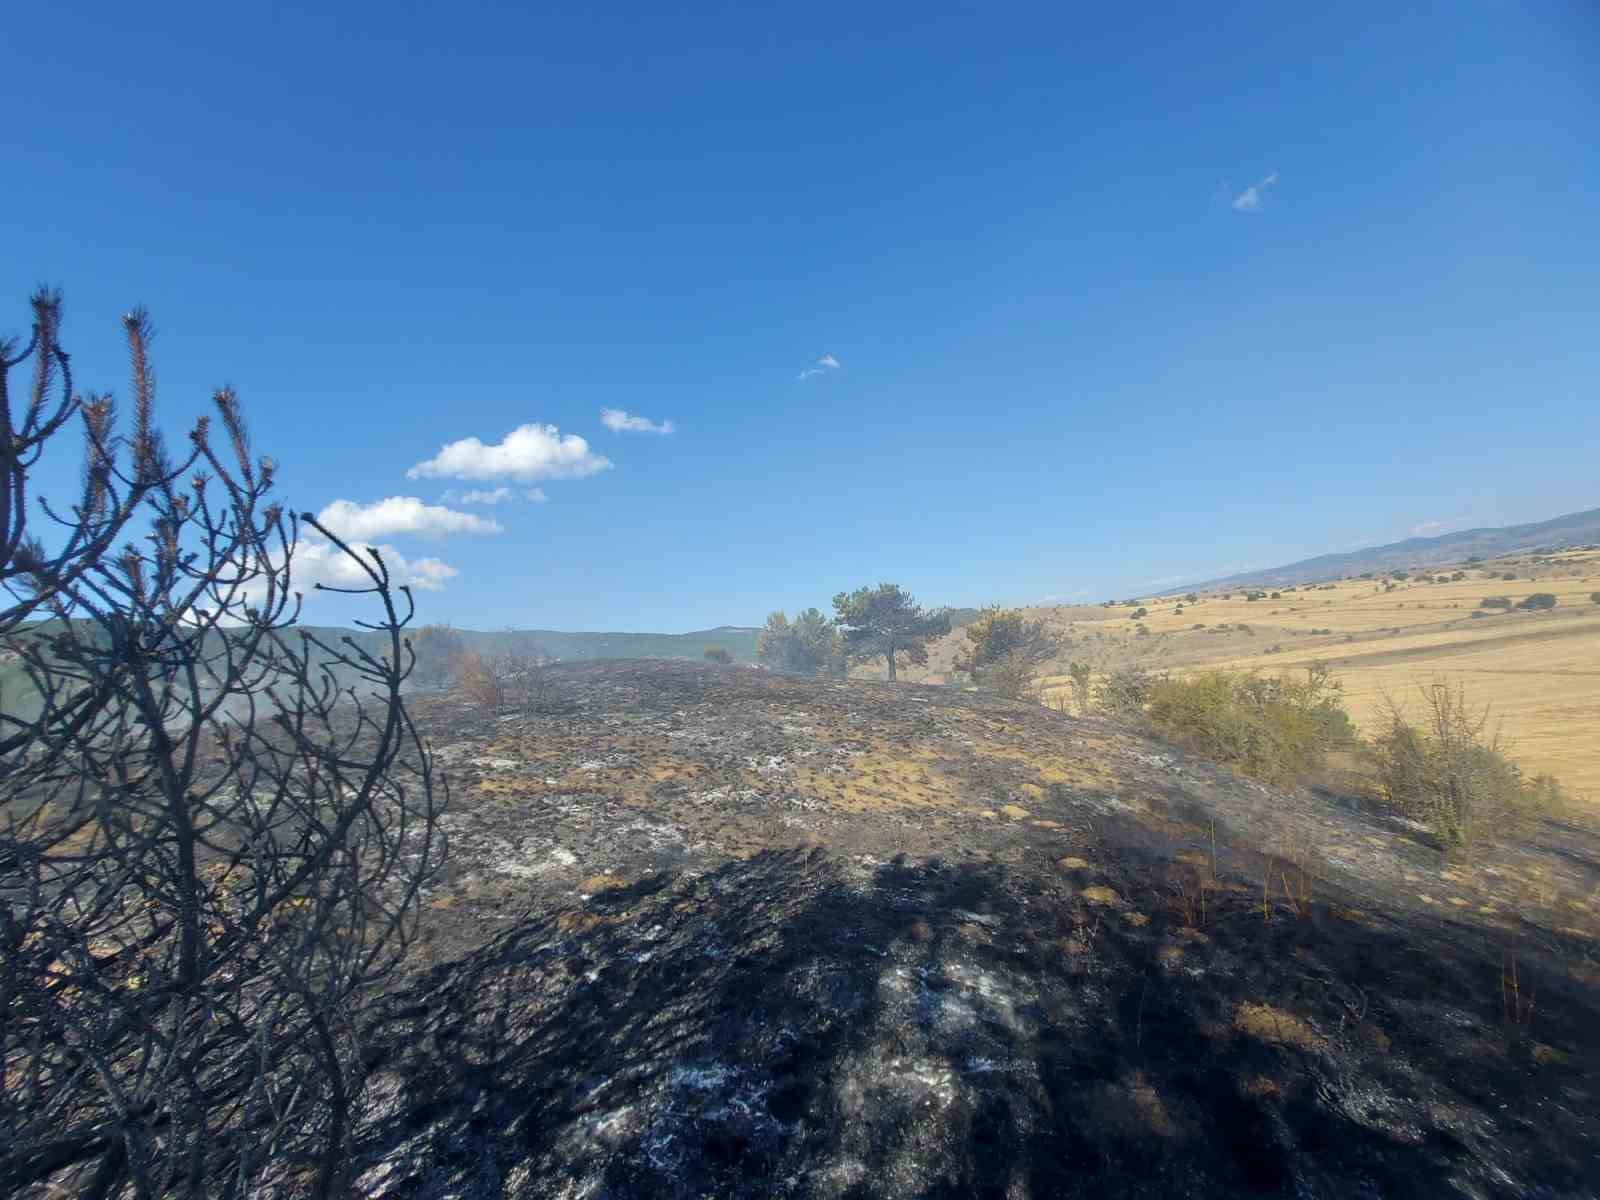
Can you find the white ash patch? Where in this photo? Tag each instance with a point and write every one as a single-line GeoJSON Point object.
{"type": "Point", "coordinates": [726, 795]}
{"type": "Point", "coordinates": [771, 766]}
{"type": "Point", "coordinates": [533, 858]}
{"type": "Point", "coordinates": [491, 763]}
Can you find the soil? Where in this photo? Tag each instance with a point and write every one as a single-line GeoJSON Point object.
{"type": "Point", "coordinates": [718, 932]}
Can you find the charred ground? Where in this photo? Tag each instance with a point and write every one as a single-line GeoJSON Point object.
{"type": "Point", "coordinates": [716, 932]}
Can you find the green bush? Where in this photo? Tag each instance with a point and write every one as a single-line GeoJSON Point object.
{"type": "Point", "coordinates": [1450, 771]}
{"type": "Point", "coordinates": [1595, 597]}
{"type": "Point", "coordinates": [1539, 600]}
{"type": "Point", "coordinates": [1124, 692]}
{"type": "Point", "coordinates": [1495, 602]}
{"type": "Point", "coordinates": [1275, 728]}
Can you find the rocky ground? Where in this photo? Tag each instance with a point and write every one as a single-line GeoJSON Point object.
{"type": "Point", "coordinates": [715, 932]}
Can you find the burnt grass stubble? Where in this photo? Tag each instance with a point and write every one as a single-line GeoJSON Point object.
{"type": "Point", "coordinates": [722, 988]}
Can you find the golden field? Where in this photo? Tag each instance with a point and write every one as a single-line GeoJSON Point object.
{"type": "Point", "coordinates": [1539, 672]}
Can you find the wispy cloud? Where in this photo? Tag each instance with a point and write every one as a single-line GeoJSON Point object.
{"type": "Point", "coordinates": [1251, 199]}
{"type": "Point", "coordinates": [528, 453]}
{"type": "Point", "coordinates": [620, 421]}
{"type": "Point", "coordinates": [821, 367]}
{"type": "Point", "coordinates": [399, 514]}
{"type": "Point", "coordinates": [1434, 528]}
{"type": "Point", "coordinates": [499, 495]}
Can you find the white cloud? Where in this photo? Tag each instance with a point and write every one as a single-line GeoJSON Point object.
{"type": "Point", "coordinates": [1251, 198]}
{"type": "Point", "coordinates": [1434, 528]}
{"type": "Point", "coordinates": [528, 453]}
{"type": "Point", "coordinates": [821, 367]}
{"type": "Point", "coordinates": [316, 561]}
{"type": "Point", "coordinates": [536, 495]}
{"type": "Point", "coordinates": [498, 495]}
{"type": "Point", "coordinates": [399, 514]}
{"type": "Point", "coordinates": [619, 421]}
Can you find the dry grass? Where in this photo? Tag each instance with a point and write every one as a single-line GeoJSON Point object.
{"type": "Point", "coordinates": [1540, 672]}
{"type": "Point", "coordinates": [1275, 1026]}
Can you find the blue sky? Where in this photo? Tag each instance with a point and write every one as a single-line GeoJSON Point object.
{"type": "Point", "coordinates": [1000, 302]}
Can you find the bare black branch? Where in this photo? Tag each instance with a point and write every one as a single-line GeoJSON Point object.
{"type": "Point", "coordinates": [214, 825]}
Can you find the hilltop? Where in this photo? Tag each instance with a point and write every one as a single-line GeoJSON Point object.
{"type": "Point", "coordinates": [719, 932]}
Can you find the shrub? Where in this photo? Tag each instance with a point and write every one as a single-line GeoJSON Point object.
{"type": "Point", "coordinates": [1011, 675]}
{"type": "Point", "coordinates": [1079, 675]}
{"type": "Point", "coordinates": [1594, 597]}
{"type": "Point", "coordinates": [502, 682]}
{"type": "Point", "coordinates": [1539, 600]}
{"type": "Point", "coordinates": [1273, 728]}
{"type": "Point", "coordinates": [1495, 602]}
{"type": "Point", "coordinates": [1123, 693]}
{"type": "Point", "coordinates": [1138, 614]}
{"type": "Point", "coordinates": [1450, 771]}
{"type": "Point", "coordinates": [718, 655]}
{"type": "Point", "coordinates": [1191, 598]}
{"type": "Point", "coordinates": [1509, 575]}
{"type": "Point", "coordinates": [1004, 646]}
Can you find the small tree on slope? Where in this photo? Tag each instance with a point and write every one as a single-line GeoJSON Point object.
{"type": "Point", "coordinates": [886, 621]}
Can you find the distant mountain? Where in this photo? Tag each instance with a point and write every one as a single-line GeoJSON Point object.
{"type": "Point", "coordinates": [1574, 529]}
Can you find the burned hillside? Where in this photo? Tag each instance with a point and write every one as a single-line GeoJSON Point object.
{"type": "Point", "coordinates": [718, 932]}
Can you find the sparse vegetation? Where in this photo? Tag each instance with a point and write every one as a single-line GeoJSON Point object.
{"type": "Point", "coordinates": [502, 682]}
{"type": "Point", "coordinates": [1451, 772]}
